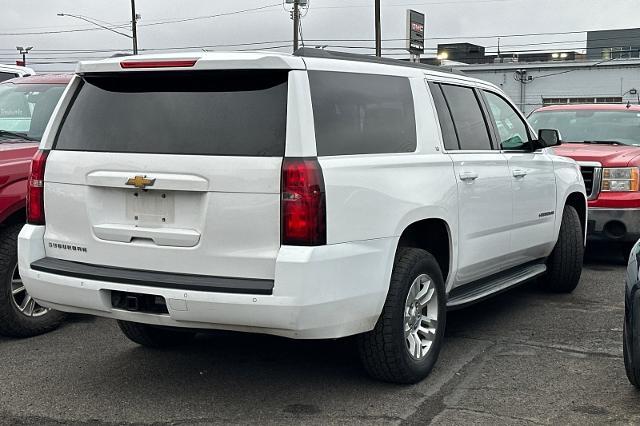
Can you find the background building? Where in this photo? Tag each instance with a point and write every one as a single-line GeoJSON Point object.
{"type": "Point", "coordinates": [533, 84]}
{"type": "Point", "coordinates": [613, 44]}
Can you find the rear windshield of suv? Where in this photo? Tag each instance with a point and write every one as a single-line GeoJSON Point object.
{"type": "Point", "coordinates": [234, 113]}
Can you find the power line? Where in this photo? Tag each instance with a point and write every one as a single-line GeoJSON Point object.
{"type": "Point", "coordinates": [76, 30]}
{"type": "Point", "coordinates": [160, 22]}
{"type": "Point", "coordinates": [424, 3]}
{"type": "Point", "coordinates": [217, 15]}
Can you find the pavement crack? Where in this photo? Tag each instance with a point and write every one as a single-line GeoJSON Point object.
{"type": "Point", "coordinates": [430, 406]}
{"type": "Point", "coordinates": [553, 346]}
{"type": "Point", "coordinates": [501, 416]}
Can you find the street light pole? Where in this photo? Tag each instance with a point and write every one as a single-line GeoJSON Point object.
{"type": "Point", "coordinates": [378, 32]}
{"type": "Point", "coordinates": [23, 51]}
{"type": "Point", "coordinates": [134, 25]}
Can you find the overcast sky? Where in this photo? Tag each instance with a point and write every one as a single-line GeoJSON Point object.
{"type": "Point", "coordinates": [325, 20]}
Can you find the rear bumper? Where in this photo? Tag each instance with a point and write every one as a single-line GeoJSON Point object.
{"type": "Point", "coordinates": [318, 292]}
{"type": "Point", "coordinates": [605, 224]}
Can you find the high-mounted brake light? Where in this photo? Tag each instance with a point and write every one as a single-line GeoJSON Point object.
{"type": "Point", "coordinates": [35, 189]}
{"type": "Point", "coordinates": [167, 63]}
{"type": "Point", "coordinates": [303, 203]}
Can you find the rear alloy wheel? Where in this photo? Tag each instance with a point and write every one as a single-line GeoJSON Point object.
{"type": "Point", "coordinates": [421, 316]}
{"type": "Point", "coordinates": [20, 314]}
{"type": "Point", "coordinates": [404, 345]}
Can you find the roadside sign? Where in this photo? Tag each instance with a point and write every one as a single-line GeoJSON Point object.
{"type": "Point", "coordinates": [415, 32]}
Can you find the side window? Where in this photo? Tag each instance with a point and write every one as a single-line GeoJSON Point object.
{"type": "Point", "coordinates": [6, 76]}
{"type": "Point", "coordinates": [449, 136]}
{"type": "Point", "coordinates": [467, 117]}
{"type": "Point", "coordinates": [362, 113]}
{"type": "Point", "coordinates": [512, 130]}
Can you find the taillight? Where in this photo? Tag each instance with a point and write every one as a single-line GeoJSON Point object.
{"type": "Point", "coordinates": [35, 189]}
{"type": "Point", "coordinates": [303, 205]}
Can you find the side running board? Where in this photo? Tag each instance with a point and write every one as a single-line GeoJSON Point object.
{"type": "Point", "coordinates": [475, 292]}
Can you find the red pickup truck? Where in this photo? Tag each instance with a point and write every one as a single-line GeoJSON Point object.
{"type": "Point", "coordinates": [26, 104]}
{"type": "Point", "coordinates": [605, 140]}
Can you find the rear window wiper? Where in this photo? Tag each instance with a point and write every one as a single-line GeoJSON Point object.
{"type": "Point", "coordinates": [16, 135]}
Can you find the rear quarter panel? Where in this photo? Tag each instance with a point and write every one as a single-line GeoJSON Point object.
{"type": "Point", "coordinates": [379, 196]}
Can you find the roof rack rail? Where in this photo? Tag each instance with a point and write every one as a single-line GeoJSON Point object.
{"type": "Point", "coordinates": [309, 52]}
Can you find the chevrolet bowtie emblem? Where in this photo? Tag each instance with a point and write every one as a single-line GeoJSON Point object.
{"type": "Point", "coordinates": [140, 182]}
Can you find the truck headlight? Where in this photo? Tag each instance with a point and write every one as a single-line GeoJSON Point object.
{"type": "Point", "coordinates": [620, 179]}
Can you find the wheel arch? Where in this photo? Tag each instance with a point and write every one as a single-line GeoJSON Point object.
{"type": "Point", "coordinates": [433, 235]}
{"type": "Point", "coordinates": [578, 201]}
{"type": "Point", "coordinates": [16, 216]}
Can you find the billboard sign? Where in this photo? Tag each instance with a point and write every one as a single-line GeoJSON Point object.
{"type": "Point", "coordinates": [415, 32]}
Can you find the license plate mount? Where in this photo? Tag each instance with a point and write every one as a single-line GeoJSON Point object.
{"type": "Point", "coordinates": [150, 207]}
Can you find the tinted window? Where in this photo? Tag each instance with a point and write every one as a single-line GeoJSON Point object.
{"type": "Point", "coordinates": [467, 117]}
{"type": "Point", "coordinates": [444, 116]}
{"type": "Point", "coordinates": [362, 113]}
{"type": "Point", "coordinates": [511, 128]}
{"type": "Point", "coordinates": [210, 113]}
{"type": "Point", "coordinates": [6, 76]}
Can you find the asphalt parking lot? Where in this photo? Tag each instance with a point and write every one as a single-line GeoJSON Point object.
{"type": "Point", "coordinates": [524, 357]}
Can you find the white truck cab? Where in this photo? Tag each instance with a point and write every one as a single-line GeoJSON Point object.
{"type": "Point", "coordinates": [315, 195]}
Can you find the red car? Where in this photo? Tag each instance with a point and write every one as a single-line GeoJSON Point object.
{"type": "Point", "coordinates": [26, 104]}
{"type": "Point", "coordinates": [605, 140]}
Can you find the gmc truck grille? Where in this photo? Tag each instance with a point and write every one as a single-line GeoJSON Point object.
{"type": "Point", "coordinates": [587, 175]}
{"type": "Point", "coordinates": [592, 176]}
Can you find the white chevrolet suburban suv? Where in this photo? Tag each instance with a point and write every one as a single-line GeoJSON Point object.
{"type": "Point", "coordinates": [316, 195]}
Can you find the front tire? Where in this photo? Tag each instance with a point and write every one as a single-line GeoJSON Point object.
{"type": "Point", "coordinates": [153, 336]}
{"type": "Point", "coordinates": [405, 343]}
{"type": "Point", "coordinates": [20, 315]}
{"type": "Point", "coordinates": [564, 265]}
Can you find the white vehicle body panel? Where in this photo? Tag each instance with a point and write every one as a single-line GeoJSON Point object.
{"type": "Point", "coordinates": [17, 70]}
{"type": "Point", "coordinates": [484, 213]}
{"type": "Point", "coordinates": [223, 217]}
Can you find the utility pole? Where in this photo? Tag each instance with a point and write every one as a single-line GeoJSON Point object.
{"type": "Point", "coordinates": [378, 35]}
{"type": "Point", "coordinates": [296, 23]}
{"type": "Point", "coordinates": [521, 76]}
{"type": "Point", "coordinates": [134, 30]}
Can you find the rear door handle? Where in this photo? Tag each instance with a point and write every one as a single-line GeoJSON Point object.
{"type": "Point", "coordinates": [468, 176]}
{"type": "Point", "coordinates": [519, 173]}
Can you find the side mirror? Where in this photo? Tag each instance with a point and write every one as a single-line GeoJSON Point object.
{"type": "Point", "coordinates": [548, 138]}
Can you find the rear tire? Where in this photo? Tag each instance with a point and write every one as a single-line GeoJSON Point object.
{"type": "Point", "coordinates": [153, 336]}
{"type": "Point", "coordinates": [564, 265]}
{"type": "Point", "coordinates": [20, 315]}
{"type": "Point", "coordinates": [404, 345]}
